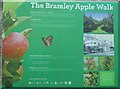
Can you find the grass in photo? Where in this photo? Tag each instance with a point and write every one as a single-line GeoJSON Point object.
{"type": "Point", "coordinates": [90, 63]}
{"type": "Point", "coordinates": [98, 23]}
{"type": "Point", "coordinates": [91, 78]}
{"type": "Point", "coordinates": [107, 63]}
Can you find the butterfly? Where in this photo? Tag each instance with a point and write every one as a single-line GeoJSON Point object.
{"type": "Point", "coordinates": [47, 40]}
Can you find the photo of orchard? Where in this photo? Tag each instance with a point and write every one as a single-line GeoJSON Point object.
{"type": "Point", "coordinates": [98, 23]}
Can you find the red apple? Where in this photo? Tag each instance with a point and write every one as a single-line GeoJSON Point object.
{"type": "Point", "coordinates": [14, 46]}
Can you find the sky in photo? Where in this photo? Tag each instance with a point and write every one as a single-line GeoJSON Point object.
{"type": "Point", "coordinates": [97, 16]}
{"type": "Point", "coordinates": [103, 37]}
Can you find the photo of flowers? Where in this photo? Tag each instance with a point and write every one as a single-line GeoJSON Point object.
{"type": "Point", "coordinates": [90, 63]}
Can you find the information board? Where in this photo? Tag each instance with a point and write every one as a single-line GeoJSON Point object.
{"type": "Point", "coordinates": [60, 44]}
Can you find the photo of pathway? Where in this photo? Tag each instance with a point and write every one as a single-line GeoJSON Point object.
{"type": "Point", "coordinates": [99, 30]}
{"type": "Point", "coordinates": [98, 23]}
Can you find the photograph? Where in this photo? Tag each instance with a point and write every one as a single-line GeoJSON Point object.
{"type": "Point", "coordinates": [98, 23]}
{"type": "Point", "coordinates": [90, 63]}
{"type": "Point", "coordinates": [15, 42]}
{"type": "Point", "coordinates": [107, 63]}
{"type": "Point", "coordinates": [91, 79]}
{"type": "Point", "coordinates": [98, 44]}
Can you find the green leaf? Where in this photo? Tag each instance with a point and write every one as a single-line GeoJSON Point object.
{"type": "Point", "coordinates": [11, 5]}
{"type": "Point", "coordinates": [8, 23]}
{"type": "Point", "coordinates": [11, 23]}
{"type": "Point", "coordinates": [7, 82]}
{"type": "Point", "coordinates": [5, 72]}
{"type": "Point", "coordinates": [15, 78]}
{"type": "Point", "coordinates": [10, 74]}
{"type": "Point", "coordinates": [20, 20]}
{"type": "Point", "coordinates": [12, 67]}
{"type": "Point", "coordinates": [8, 14]}
{"type": "Point", "coordinates": [9, 18]}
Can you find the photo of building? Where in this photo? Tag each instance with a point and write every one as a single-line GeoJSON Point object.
{"type": "Point", "coordinates": [98, 44]}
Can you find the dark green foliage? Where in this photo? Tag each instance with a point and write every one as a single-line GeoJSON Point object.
{"type": "Point", "coordinates": [108, 24]}
{"type": "Point", "coordinates": [107, 63]}
{"type": "Point", "coordinates": [8, 19]}
{"type": "Point", "coordinates": [91, 79]}
{"type": "Point", "coordinates": [13, 67]}
{"type": "Point", "coordinates": [89, 24]}
{"type": "Point", "coordinates": [6, 82]}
